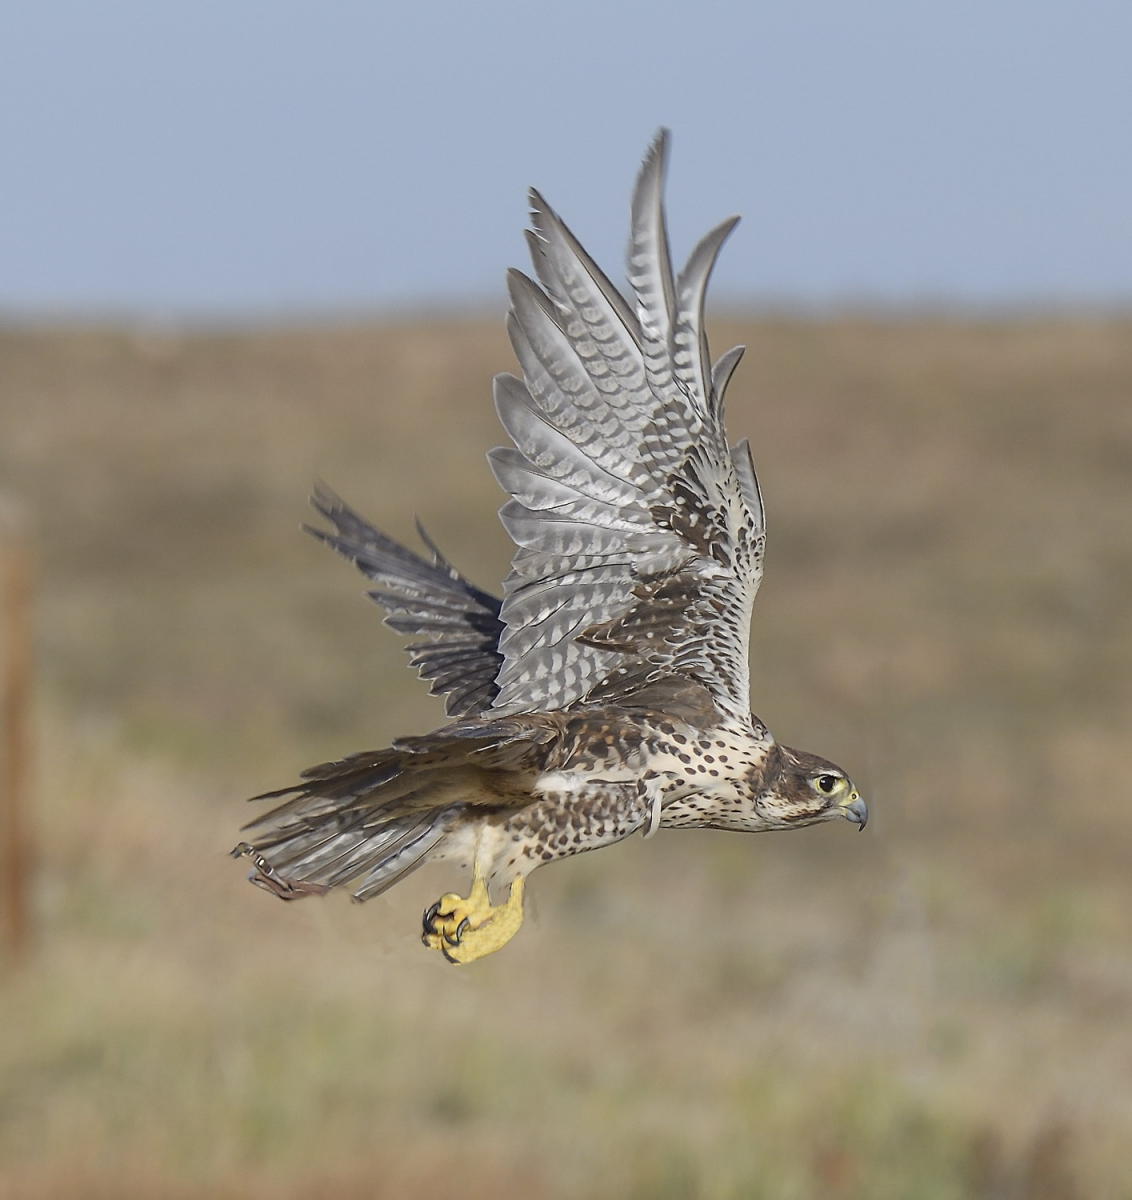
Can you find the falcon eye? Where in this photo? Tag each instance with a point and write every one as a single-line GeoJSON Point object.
{"type": "Point", "coordinates": [828, 783]}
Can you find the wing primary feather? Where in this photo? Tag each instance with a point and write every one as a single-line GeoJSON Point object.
{"type": "Point", "coordinates": [650, 264]}
{"type": "Point", "coordinates": [549, 229]}
{"type": "Point", "coordinates": [749, 483]}
{"type": "Point", "coordinates": [721, 374]}
{"type": "Point", "coordinates": [692, 285]}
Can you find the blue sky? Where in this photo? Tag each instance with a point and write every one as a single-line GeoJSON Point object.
{"type": "Point", "coordinates": [252, 158]}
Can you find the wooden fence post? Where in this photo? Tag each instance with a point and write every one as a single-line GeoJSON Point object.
{"type": "Point", "coordinates": [15, 720]}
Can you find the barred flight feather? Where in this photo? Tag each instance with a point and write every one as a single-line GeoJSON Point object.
{"type": "Point", "coordinates": [461, 622]}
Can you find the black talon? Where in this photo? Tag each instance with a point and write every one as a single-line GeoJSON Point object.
{"type": "Point", "coordinates": [461, 927]}
{"type": "Point", "coordinates": [429, 916]}
{"type": "Point", "coordinates": [454, 961]}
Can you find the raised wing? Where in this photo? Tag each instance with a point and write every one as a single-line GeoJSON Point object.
{"type": "Point", "coordinates": [457, 625]}
{"type": "Point", "coordinates": [639, 532]}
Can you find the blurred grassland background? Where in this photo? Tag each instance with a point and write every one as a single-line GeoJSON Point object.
{"type": "Point", "coordinates": [938, 1008]}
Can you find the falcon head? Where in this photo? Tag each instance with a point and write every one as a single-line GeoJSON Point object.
{"type": "Point", "coordinates": [802, 789]}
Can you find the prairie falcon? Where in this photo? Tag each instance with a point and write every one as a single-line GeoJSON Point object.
{"type": "Point", "coordinates": [606, 693]}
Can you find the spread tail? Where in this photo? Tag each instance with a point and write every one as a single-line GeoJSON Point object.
{"type": "Point", "coordinates": [365, 820]}
{"type": "Point", "coordinates": [370, 819]}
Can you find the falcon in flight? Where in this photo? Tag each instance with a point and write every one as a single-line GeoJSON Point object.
{"type": "Point", "coordinates": [607, 692]}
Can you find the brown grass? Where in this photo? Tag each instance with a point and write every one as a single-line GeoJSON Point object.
{"type": "Point", "coordinates": [938, 1008]}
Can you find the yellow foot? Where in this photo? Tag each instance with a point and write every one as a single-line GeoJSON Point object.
{"type": "Point", "coordinates": [464, 929]}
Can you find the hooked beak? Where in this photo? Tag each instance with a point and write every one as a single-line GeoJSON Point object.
{"type": "Point", "coordinates": [855, 809]}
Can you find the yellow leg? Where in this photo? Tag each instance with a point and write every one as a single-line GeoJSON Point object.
{"type": "Point", "coordinates": [466, 928]}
